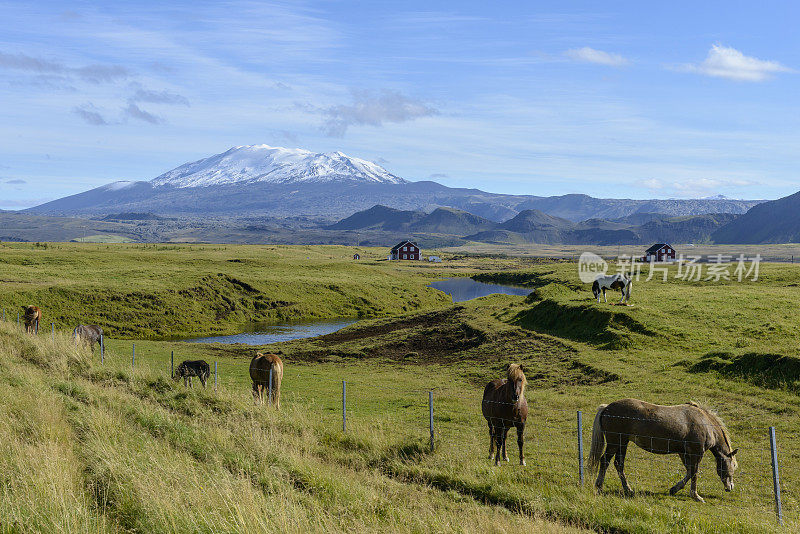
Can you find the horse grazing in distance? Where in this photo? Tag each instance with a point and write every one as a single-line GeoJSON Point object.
{"type": "Point", "coordinates": [88, 333]}
{"type": "Point", "coordinates": [189, 368]}
{"type": "Point", "coordinates": [32, 317]}
{"type": "Point", "coordinates": [504, 405]}
{"type": "Point", "coordinates": [613, 281]}
{"type": "Point", "coordinates": [686, 429]}
{"type": "Point", "coordinates": [260, 366]}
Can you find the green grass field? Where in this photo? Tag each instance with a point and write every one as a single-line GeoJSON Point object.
{"type": "Point", "coordinates": [111, 447]}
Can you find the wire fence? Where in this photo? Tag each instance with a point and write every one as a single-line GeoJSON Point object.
{"type": "Point", "coordinates": [557, 440]}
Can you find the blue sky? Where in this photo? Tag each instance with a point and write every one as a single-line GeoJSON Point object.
{"type": "Point", "coordinates": [622, 99]}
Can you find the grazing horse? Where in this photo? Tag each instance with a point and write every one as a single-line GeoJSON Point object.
{"type": "Point", "coordinates": [259, 373]}
{"type": "Point", "coordinates": [687, 430]}
{"type": "Point", "coordinates": [32, 317]}
{"type": "Point", "coordinates": [189, 368]}
{"type": "Point", "coordinates": [88, 333]}
{"type": "Point", "coordinates": [613, 281]}
{"type": "Point", "coordinates": [504, 405]}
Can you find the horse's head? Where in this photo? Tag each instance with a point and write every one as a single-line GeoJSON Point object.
{"type": "Point", "coordinates": [516, 381]}
{"type": "Point", "coordinates": [726, 465]}
{"type": "Point", "coordinates": [596, 288]}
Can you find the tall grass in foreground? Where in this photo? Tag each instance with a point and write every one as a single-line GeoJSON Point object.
{"type": "Point", "coordinates": [93, 450]}
{"type": "Point", "coordinates": [41, 480]}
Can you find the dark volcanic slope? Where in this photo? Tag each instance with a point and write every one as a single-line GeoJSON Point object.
{"type": "Point", "coordinates": [776, 221]}
{"type": "Point", "coordinates": [451, 221]}
{"type": "Point", "coordinates": [378, 217]}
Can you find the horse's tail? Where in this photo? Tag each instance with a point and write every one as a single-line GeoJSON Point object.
{"type": "Point", "coordinates": [628, 290]}
{"type": "Point", "coordinates": [598, 440]}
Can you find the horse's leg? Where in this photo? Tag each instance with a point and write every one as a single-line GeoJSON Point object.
{"type": "Point", "coordinates": [605, 298]}
{"type": "Point", "coordinates": [605, 461]}
{"type": "Point", "coordinates": [521, 442]}
{"type": "Point", "coordinates": [694, 462]}
{"type": "Point", "coordinates": [679, 486]}
{"type": "Point", "coordinates": [500, 437]}
{"type": "Point", "coordinates": [505, 436]}
{"type": "Point", "coordinates": [619, 463]}
{"type": "Point", "coordinates": [491, 440]}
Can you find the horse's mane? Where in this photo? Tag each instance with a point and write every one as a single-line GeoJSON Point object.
{"type": "Point", "coordinates": [515, 373]}
{"type": "Point", "coordinates": [716, 420]}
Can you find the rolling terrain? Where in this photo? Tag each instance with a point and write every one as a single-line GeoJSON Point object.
{"type": "Point", "coordinates": [136, 451]}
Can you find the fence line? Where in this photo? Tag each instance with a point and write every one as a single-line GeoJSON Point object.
{"type": "Point", "coordinates": [539, 427]}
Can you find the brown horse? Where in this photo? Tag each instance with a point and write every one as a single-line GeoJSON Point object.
{"type": "Point", "coordinates": [504, 405]}
{"type": "Point", "coordinates": [32, 317]}
{"type": "Point", "coordinates": [687, 430]}
{"type": "Point", "coordinates": [259, 374]}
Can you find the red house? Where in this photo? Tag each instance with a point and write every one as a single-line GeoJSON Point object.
{"type": "Point", "coordinates": [659, 252]}
{"type": "Point", "coordinates": [405, 250]}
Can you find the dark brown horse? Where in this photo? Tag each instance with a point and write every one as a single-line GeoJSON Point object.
{"type": "Point", "coordinates": [259, 373]}
{"type": "Point", "coordinates": [32, 317]}
{"type": "Point", "coordinates": [189, 368]}
{"type": "Point", "coordinates": [687, 430]}
{"type": "Point", "coordinates": [504, 405]}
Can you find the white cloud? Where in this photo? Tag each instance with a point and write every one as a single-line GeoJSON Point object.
{"type": "Point", "coordinates": [727, 62]}
{"type": "Point", "coordinates": [373, 109]}
{"type": "Point", "coordinates": [591, 55]}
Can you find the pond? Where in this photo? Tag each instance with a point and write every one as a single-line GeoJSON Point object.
{"type": "Point", "coordinates": [263, 334]}
{"type": "Point", "coordinates": [461, 289]}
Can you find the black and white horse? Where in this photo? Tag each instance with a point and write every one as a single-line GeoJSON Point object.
{"type": "Point", "coordinates": [612, 281]}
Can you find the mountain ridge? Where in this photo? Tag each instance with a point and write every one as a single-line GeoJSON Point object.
{"type": "Point", "coordinates": [260, 180]}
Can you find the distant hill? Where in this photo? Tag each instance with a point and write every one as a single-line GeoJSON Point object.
{"type": "Point", "coordinates": [538, 227]}
{"type": "Point", "coordinates": [451, 221]}
{"type": "Point", "coordinates": [533, 226]}
{"type": "Point", "coordinates": [380, 218]}
{"type": "Point", "coordinates": [535, 220]}
{"type": "Point", "coordinates": [697, 229]}
{"type": "Point", "coordinates": [577, 207]}
{"type": "Point", "coordinates": [776, 221]}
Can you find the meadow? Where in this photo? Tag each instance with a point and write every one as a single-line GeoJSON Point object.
{"type": "Point", "coordinates": [121, 447]}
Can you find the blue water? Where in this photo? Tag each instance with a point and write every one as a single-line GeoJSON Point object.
{"type": "Point", "coordinates": [461, 289]}
{"type": "Point", "coordinates": [263, 334]}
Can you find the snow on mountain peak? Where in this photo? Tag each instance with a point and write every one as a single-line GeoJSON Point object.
{"type": "Point", "coordinates": [264, 163]}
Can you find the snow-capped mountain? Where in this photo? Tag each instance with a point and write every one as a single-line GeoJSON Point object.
{"type": "Point", "coordinates": [260, 180]}
{"type": "Point", "coordinates": [276, 165]}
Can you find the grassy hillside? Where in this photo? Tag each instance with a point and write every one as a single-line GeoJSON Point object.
{"type": "Point", "coordinates": [139, 452]}
{"type": "Point", "coordinates": [175, 290]}
{"type": "Point", "coordinates": [89, 448]}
